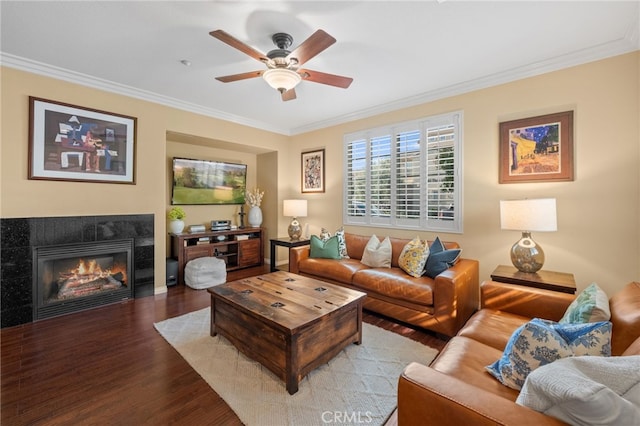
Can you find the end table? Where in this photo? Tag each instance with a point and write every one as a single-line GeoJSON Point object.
{"type": "Point", "coordinates": [284, 242]}
{"type": "Point", "coordinates": [549, 280]}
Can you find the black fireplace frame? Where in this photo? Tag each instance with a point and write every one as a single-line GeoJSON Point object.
{"type": "Point", "coordinates": [47, 253]}
{"type": "Point", "coordinates": [20, 235]}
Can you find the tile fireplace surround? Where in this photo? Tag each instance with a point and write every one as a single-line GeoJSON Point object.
{"type": "Point", "coordinates": [20, 235]}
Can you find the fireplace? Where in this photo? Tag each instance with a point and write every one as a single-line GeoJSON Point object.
{"type": "Point", "coordinates": [20, 236]}
{"type": "Point", "coordinates": [74, 277]}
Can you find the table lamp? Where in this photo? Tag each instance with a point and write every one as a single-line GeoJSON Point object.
{"type": "Point", "coordinates": [295, 209]}
{"type": "Point", "coordinates": [526, 216]}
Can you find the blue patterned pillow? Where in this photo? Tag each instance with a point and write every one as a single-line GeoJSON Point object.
{"type": "Point", "coordinates": [440, 259]}
{"type": "Point", "coordinates": [540, 342]}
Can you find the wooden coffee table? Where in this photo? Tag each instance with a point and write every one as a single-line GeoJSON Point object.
{"type": "Point", "coordinates": [289, 323]}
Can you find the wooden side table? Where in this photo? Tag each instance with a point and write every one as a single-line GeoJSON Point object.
{"type": "Point", "coordinates": [284, 242]}
{"type": "Point", "coordinates": [549, 280]}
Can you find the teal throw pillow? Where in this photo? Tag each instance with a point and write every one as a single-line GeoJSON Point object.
{"type": "Point", "coordinates": [342, 243]}
{"type": "Point", "coordinates": [540, 342]}
{"type": "Point", "coordinates": [324, 249]}
{"type": "Point", "coordinates": [591, 305]}
{"type": "Point", "coordinates": [440, 259]}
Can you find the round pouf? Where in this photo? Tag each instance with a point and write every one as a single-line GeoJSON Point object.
{"type": "Point", "coordinates": [205, 272]}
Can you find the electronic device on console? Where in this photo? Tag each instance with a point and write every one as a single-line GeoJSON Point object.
{"type": "Point", "coordinates": [220, 225]}
{"type": "Point", "coordinates": [194, 229]}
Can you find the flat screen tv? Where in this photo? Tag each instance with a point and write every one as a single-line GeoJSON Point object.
{"type": "Point", "coordinates": [208, 182]}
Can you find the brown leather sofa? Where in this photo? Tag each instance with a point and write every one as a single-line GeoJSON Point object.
{"type": "Point", "coordinates": [456, 390]}
{"type": "Point", "coordinates": [442, 304]}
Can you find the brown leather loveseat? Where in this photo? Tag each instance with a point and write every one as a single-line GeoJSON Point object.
{"type": "Point", "coordinates": [442, 304]}
{"type": "Point", "coordinates": [457, 390]}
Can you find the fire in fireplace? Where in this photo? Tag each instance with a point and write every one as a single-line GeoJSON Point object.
{"type": "Point", "coordinates": [75, 277]}
{"type": "Point", "coordinates": [87, 278]}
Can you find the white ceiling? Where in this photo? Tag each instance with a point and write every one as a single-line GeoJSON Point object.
{"type": "Point", "coordinates": [398, 53]}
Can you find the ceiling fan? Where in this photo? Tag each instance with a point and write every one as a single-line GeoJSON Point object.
{"type": "Point", "coordinates": [283, 72]}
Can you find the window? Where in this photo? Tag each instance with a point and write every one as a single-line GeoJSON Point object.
{"type": "Point", "coordinates": [406, 175]}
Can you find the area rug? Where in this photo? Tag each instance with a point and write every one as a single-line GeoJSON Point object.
{"type": "Point", "coordinates": [359, 386]}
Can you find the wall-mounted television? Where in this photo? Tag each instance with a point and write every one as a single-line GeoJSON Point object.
{"type": "Point", "coordinates": [208, 182]}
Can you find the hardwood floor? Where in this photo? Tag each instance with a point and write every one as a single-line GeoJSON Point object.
{"type": "Point", "coordinates": [109, 366]}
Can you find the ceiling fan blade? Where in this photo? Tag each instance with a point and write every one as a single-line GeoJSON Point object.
{"type": "Point", "coordinates": [237, 44]}
{"type": "Point", "coordinates": [242, 76]}
{"type": "Point", "coordinates": [309, 48]}
{"type": "Point", "coordinates": [324, 78]}
{"type": "Point", "coordinates": [289, 95]}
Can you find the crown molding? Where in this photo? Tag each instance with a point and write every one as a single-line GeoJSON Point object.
{"type": "Point", "coordinates": [627, 44]}
{"type": "Point", "coordinates": [58, 73]}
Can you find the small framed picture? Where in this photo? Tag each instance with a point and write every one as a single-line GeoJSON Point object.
{"type": "Point", "coordinates": [313, 171]}
{"type": "Point", "coordinates": [72, 143]}
{"type": "Point", "coordinates": [537, 149]}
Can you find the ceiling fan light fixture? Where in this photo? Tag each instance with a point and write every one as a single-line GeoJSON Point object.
{"type": "Point", "coordinates": [281, 79]}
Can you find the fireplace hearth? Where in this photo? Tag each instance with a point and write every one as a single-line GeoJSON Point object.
{"type": "Point", "coordinates": [74, 277]}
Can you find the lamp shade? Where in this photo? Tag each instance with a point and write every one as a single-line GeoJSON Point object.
{"type": "Point", "coordinates": [295, 208]}
{"type": "Point", "coordinates": [281, 79]}
{"type": "Point", "coordinates": [529, 215]}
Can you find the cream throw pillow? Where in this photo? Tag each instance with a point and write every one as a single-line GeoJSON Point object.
{"type": "Point", "coordinates": [377, 254]}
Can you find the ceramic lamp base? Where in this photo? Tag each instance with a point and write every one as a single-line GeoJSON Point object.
{"type": "Point", "coordinates": [295, 230]}
{"type": "Point", "coordinates": [527, 255]}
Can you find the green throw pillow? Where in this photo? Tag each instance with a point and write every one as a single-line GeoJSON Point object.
{"type": "Point", "coordinates": [324, 249]}
{"type": "Point", "coordinates": [591, 305]}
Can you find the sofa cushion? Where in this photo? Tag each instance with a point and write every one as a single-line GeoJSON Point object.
{"type": "Point", "coordinates": [327, 249]}
{"type": "Point", "coordinates": [414, 257]}
{"type": "Point", "coordinates": [396, 284]}
{"type": "Point", "coordinates": [586, 390]}
{"type": "Point", "coordinates": [591, 305]}
{"type": "Point", "coordinates": [440, 259]}
{"type": "Point", "coordinates": [377, 254]}
{"type": "Point", "coordinates": [491, 327]}
{"type": "Point", "coordinates": [541, 342]}
{"type": "Point", "coordinates": [336, 270]}
{"type": "Point", "coordinates": [465, 359]}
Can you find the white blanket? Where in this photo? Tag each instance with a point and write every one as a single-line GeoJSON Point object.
{"type": "Point", "coordinates": [586, 390]}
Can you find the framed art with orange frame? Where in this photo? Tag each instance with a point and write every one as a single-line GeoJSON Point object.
{"type": "Point", "coordinates": [537, 149]}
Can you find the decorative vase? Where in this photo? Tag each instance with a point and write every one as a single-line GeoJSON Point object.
{"type": "Point", "coordinates": [255, 216]}
{"type": "Point", "coordinates": [176, 226]}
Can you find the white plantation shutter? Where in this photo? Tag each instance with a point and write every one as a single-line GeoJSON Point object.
{"type": "Point", "coordinates": [406, 175]}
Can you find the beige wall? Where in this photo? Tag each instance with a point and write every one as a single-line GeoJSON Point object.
{"type": "Point", "coordinates": [598, 213]}
{"type": "Point", "coordinates": [598, 236]}
{"type": "Point", "coordinates": [21, 197]}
